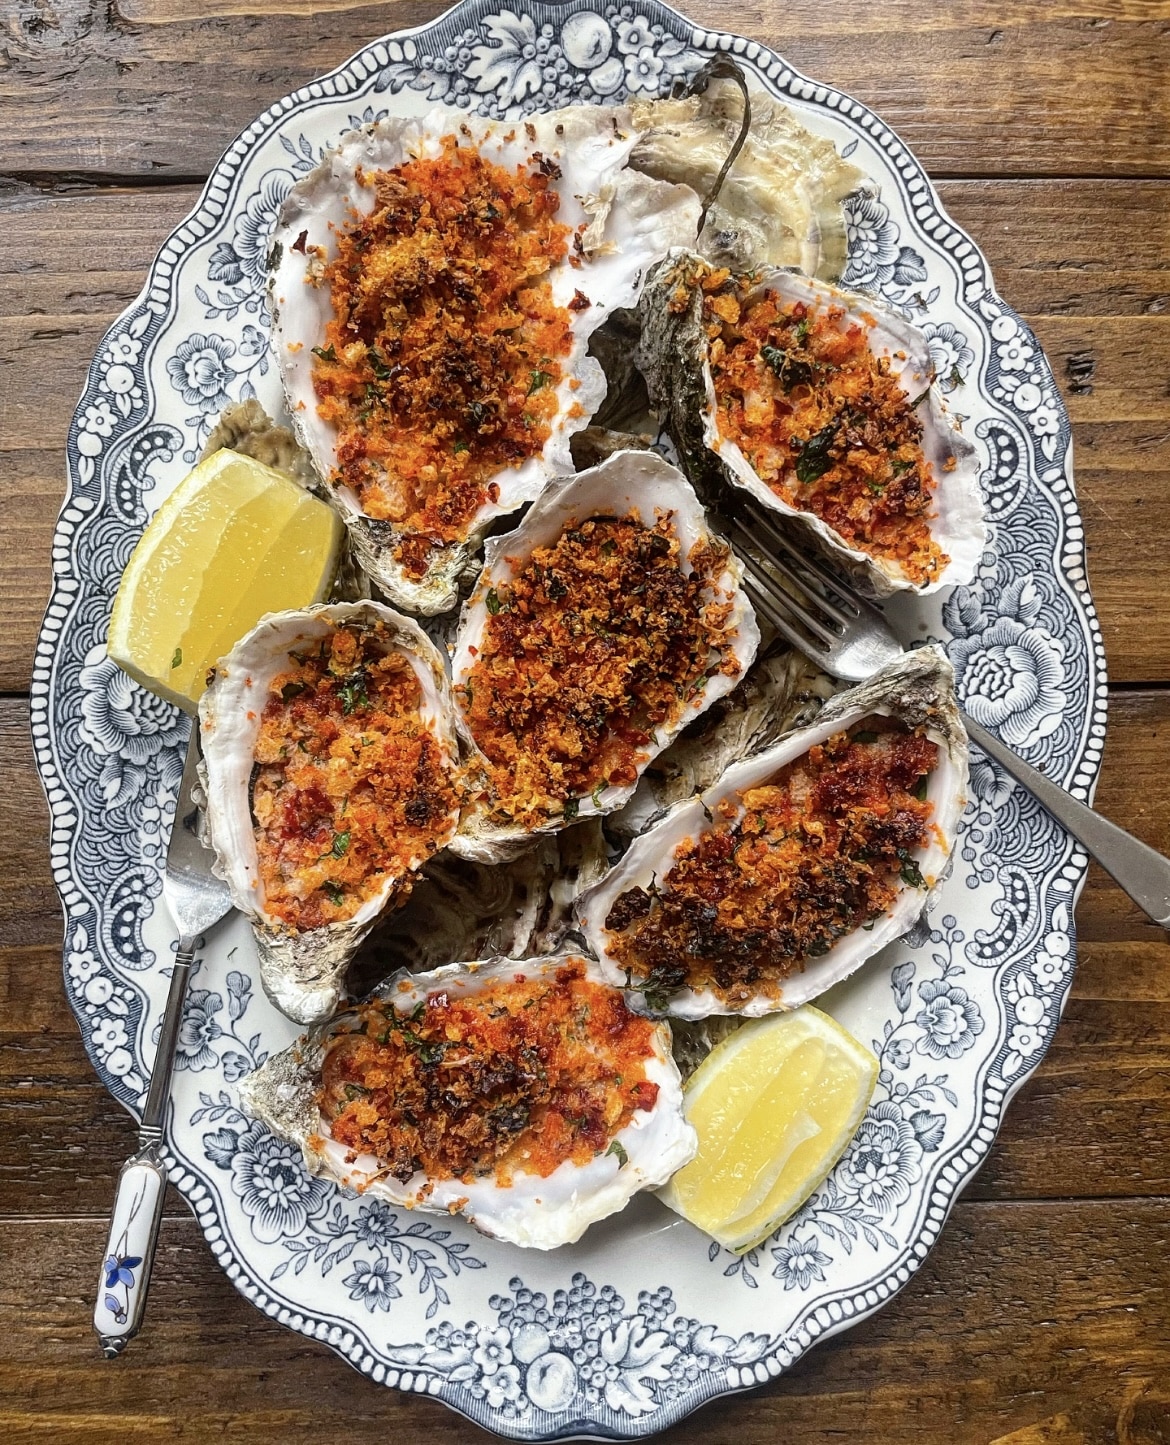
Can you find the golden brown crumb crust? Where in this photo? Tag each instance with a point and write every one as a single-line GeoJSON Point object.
{"type": "Point", "coordinates": [350, 786]}
{"type": "Point", "coordinates": [820, 851]}
{"type": "Point", "coordinates": [823, 421]}
{"type": "Point", "coordinates": [441, 363]}
{"type": "Point", "coordinates": [518, 1078]}
{"type": "Point", "coordinates": [598, 643]}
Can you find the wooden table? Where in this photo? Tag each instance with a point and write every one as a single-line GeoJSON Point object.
{"type": "Point", "coordinates": [1043, 1315]}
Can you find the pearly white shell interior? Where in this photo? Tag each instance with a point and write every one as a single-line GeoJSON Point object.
{"type": "Point", "coordinates": [632, 221]}
{"type": "Point", "coordinates": [540, 1213]}
{"type": "Point", "coordinates": [230, 718]}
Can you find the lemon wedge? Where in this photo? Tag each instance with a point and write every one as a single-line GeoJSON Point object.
{"type": "Point", "coordinates": [234, 540]}
{"type": "Point", "coordinates": [774, 1106]}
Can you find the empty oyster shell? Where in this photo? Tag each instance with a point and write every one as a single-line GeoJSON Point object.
{"type": "Point", "coordinates": [917, 692]}
{"type": "Point", "coordinates": [564, 723]}
{"type": "Point", "coordinates": [781, 691]}
{"type": "Point", "coordinates": [620, 221]}
{"type": "Point", "coordinates": [780, 204]}
{"type": "Point", "coordinates": [302, 1093]}
{"type": "Point", "coordinates": [302, 908]}
{"type": "Point", "coordinates": [682, 298]}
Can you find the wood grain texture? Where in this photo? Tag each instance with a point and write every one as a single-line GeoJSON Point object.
{"type": "Point", "coordinates": [150, 87]}
{"type": "Point", "coordinates": [1007, 1326]}
{"type": "Point", "coordinates": [1043, 1316]}
{"type": "Point", "coordinates": [1093, 278]}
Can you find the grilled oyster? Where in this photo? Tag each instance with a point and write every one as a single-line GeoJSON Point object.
{"type": "Point", "coordinates": [821, 404]}
{"type": "Point", "coordinates": [425, 1096]}
{"type": "Point", "coordinates": [332, 773]}
{"type": "Point", "coordinates": [780, 203]}
{"type": "Point", "coordinates": [606, 622]}
{"type": "Point", "coordinates": [434, 284]}
{"type": "Point", "coordinates": [799, 863]}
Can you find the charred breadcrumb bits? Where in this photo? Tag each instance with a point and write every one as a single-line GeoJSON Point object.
{"type": "Point", "coordinates": [597, 644]}
{"type": "Point", "coordinates": [517, 1078]}
{"type": "Point", "coordinates": [823, 422]}
{"type": "Point", "coordinates": [442, 359]}
{"type": "Point", "coordinates": [820, 851]}
{"type": "Point", "coordinates": [349, 784]}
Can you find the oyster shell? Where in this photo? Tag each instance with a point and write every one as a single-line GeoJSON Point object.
{"type": "Point", "coordinates": [519, 908]}
{"type": "Point", "coordinates": [623, 221]}
{"type": "Point", "coordinates": [780, 204]}
{"type": "Point", "coordinates": [638, 485]}
{"type": "Point", "coordinates": [303, 969]}
{"type": "Point", "coordinates": [781, 691]}
{"type": "Point", "coordinates": [674, 356]}
{"type": "Point", "coordinates": [527, 1209]}
{"type": "Point", "coordinates": [917, 690]}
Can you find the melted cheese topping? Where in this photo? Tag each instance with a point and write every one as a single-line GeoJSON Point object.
{"type": "Point", "coordinates": [823, 422]}
{"type": "Point", "coordinates": [441, 363]}
{"type": "Point", "coordinates": [818, 852]}
{"type": "Point", "coordinates": [350, 786]}
{"type": "Point", "coordinates": [597, 644]}
{"type": "Point", "coordinates": [518, 1078]}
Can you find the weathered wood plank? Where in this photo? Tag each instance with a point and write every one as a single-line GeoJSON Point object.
{"type": "Point", "coordinates": [1130, 792]}
{"type": "Point", "coordinates": [150, 87]}
{"type": "Point", "coordinates": [1021, 1315]}
{"type": "Point", "coordinates": [1094, 1122]}
{"type": "Point", "coordinates": [1084, 263]}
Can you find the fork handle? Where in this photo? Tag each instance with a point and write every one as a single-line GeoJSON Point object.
{"type": "Point", "coordinates": [125, 1273]}
{"type": "Point", "coordinates": [141, 1187]}
{"type": "Point", "coordinates": [1134, 866]}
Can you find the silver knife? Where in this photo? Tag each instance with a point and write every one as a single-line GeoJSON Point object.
{"type": "Point", "coordinates": [197, 899]}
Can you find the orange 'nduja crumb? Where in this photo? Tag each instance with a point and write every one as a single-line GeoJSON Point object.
{"type": "Point", "coordinates": [517, 1078]}
{"type": "Point", "coordinates": [824, 423]}
{"type": "Point", "coordinates": [596, 645]}
{"type": "Point", "coordinates": [350, 786]}
{"type": "Point", "coordinates": [441, 362]}
{"type": "Point", "coordinates": [793, 866]}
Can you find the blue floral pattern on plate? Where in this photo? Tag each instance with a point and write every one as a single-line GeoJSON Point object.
{"type": "Point", "coordinates": [645, 1319]}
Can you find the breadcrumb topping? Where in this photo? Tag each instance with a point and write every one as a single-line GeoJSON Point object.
{"type": "Point", "coordinates": [517, 1078]}
{"type": "Point", "coordinates": [350, 787]}
{"type": "Point", "coordinates": [784, 871]}
{"type": "Point", "coordinates": [596, 645]}
{"type": "Point", "coordinates": [441, 362]}
{"type": "Point", "coordinates": [823, 421]}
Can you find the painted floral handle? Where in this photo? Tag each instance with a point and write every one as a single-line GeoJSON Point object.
{"type": "Point", "coordinates": [121, 1297]}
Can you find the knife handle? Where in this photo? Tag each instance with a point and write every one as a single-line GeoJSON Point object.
{"type": "Point", "coordinates": [125, 1276]}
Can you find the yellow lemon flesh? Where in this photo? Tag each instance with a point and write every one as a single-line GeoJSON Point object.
{"type": "Point", "coordinates": [234, 540]}
{"type": "Point", "coordinates": [774, 1106]}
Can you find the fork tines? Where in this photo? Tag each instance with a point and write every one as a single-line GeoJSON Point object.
{"type": "Point", "coordinates": [798, 596]}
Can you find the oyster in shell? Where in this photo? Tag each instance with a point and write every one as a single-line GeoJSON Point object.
{"type": "Point", "coordinates": [433, 285]}
{"type": "Point", "coordinates": [780, 204]}
{"type": "Point", "coordinates": [604, 624]}
{"type": "Point", "coordinates": [331, 767]}
{"type": "Point", "coordinates": [799, 863]}
{"type": "Point", "coordinates": [424, 1096]}
{"type": "Point", "coordinates": [820, 404]}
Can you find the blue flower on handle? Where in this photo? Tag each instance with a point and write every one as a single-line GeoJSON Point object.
{"type": "Point", "coordinates": [121, 1271]}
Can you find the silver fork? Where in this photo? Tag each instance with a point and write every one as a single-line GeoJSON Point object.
{"type": "Point", "coordinates": [820, 613]}
{"type": "Point", "coordinates": [197, 899]}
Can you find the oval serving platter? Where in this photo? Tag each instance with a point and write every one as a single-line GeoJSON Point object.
{"type": "Point", "coordinates": [645, 1319]}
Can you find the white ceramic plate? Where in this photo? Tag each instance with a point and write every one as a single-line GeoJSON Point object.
{"type": "Point", "coordinates": [645, 1319]}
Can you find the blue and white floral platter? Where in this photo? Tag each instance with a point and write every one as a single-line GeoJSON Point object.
{"type": "Point", "coordinates": [645, 1319]}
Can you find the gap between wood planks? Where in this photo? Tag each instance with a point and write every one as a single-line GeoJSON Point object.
{"type": "Point", "coordinates": [81, 183]}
